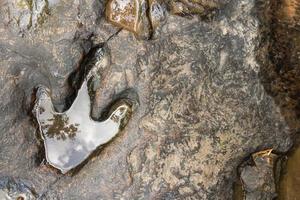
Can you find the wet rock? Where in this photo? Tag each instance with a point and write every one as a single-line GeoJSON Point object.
{"type": "Point", "coordinates": [15, 189]}
{"type": "Point", "coordinates": [47, 56]}
{"type": "Point", "coordinates": [131, 15]}
{"type": "Point", "coordinates": [203, 105]}
{"type": "Point", "coordinates": [257, 176]}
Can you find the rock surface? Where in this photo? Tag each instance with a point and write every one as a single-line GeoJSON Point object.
{"type": "Point", "coordinates": [257, 176]}
{"type": "Point", "coordinates": [11, 189]}
{"type": "Point", "coordinates": [131, 15]}
{"type": "Point", "coordinates": [205, 103]}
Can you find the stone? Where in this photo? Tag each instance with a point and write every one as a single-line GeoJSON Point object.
{"type": "Point", "coordinates": [131, 15]}
{"type": "Point", "coordinates": [15, 189]}
{"type": "Point", "coordinates": [257, 176]}
{"type": "Point", "coordinates": [192, 7]}
{"type": "Point", "coordinates": [206, 102]}
{"type": "Point", "coordinates": [26, 14]}
{"type": "Point", "coordinates": [157, 13]}
{"type": "Point", "coordinates": [135, 16]}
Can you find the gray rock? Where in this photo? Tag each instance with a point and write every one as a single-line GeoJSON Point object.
{"type": "Point", "coordinates": [203, 107]}
{"type": "Point", "coordinates": [15, 189]}
{"type": "Point", "coordinates": [257, 176]}
{"type": "Point", "coordinates": [24, 14]}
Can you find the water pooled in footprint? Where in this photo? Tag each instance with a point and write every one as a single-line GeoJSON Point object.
{"type": "Point", "coordinates": [70, 137]}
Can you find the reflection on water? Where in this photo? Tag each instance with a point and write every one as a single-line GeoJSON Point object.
{"type": "Point", "coordinates": [290, 181]}
{"type": "Point", "coordinates": [60, 127]}
{"type": "Point", "coordinates": [70, 137]}
{"type": "Point", "coordinates": [238, 193]}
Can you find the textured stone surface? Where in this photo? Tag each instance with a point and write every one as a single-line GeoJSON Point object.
{"type": "Point", "coordinates": [24, 14]}
{"type": "Point", "coordinates": [189, 7]}
{"type": "Point", "coordinates": [257, 176]}
{"type": "Point", "coordinates": [72, 136]}
{"type": "Point", "coordinates": [142, 17]}
{"type": "Point", "coordinates": [204, 101]}
{"type": "Point", "coordinates": [131, 15]}
{"type": "Point", "coordinates": [11, 188]}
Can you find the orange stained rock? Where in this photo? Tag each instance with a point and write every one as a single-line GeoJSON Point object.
{"type": "Point", "coordinates": [290, 10]}
{"type": "Point", "coordinates": [123, 13]}
{"type": "Point", "coordinates": [130, 15]}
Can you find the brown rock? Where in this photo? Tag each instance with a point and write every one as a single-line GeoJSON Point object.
{"type": "Point", "coordinates": [190, 7]}
{"type": "Point", "coordinates": [130, 15]}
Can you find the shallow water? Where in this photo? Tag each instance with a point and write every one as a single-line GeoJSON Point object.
{"type": "Point", "coordinates": [238, 193]}
{"type": "Point", "coordinates": [70, 137]}
{"type": "Point", "coordinates": [289, 188]}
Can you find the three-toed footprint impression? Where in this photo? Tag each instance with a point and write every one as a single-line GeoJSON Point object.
{"type": "Point", "coordinates": [72, 136]}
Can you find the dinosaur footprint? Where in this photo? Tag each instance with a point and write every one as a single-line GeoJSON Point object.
{"type": "Point", "coordinates": [71, 136]}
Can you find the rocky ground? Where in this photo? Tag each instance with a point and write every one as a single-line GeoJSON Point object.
{"type": "Point", "coordinates": [213, 89]}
